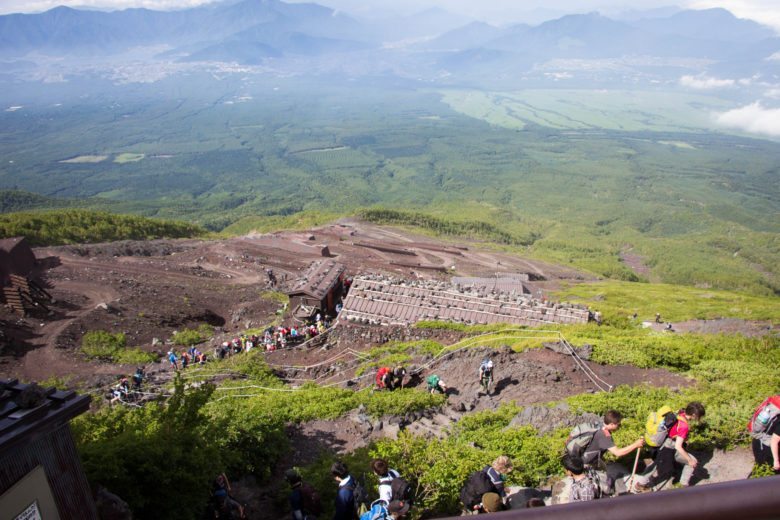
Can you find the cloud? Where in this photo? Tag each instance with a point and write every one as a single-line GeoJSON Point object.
{"type": "Point", "coordinates": [766, 12]}
{"type": "Point", "coordinates": [753, 118]}
{"type": "Point", "coordinates": [773, 93]}
{"type": "Point", "coordinates": [705, 83]}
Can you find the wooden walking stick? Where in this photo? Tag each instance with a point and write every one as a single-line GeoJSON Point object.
{"type": "Point", "coordinates": [633, 472]}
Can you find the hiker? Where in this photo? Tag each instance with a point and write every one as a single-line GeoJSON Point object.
{"type": "Point", "coordinates": [305, 502]}
{"type": "Point", "coordinates": [582, 487]}
{"type": "Point", "coordinates": [385, 475]}
{"type": "Point", "coordinates": [383, 379]}
{"type": "Point", "coordinates": [120, 391]}
{"type": "Point", "coordinates": [138, 378]}
{"type": "Point", "coordinates": [672, 450]}
{"type": "Point", "coordinates": [491, 503]}
{"type": "Point", "coordinates": [399, 373]}
{"type": "Point", "coordinates": [345, 498]}
{"type": "Point", "coordinates": [497, 472]}
{"type": "Point", "coordinates": [223, 507]}
{"type": "Point", "coordinates": [172, 360]}
{"type": "Point", "coordinates": [185, 359]}
{"type": "Point", "coordinates": [658, 317]}
{"type": "Point", "coordinates": [435, 384]}
{"type": "Point", "coordinates": [602, 441]}
{"type": "Point", "coordinates": [489, 479]}
{"type": "Point", "coordinates": [764, 427]}
{"type": "Point", "coordinates": [486, 374]}
{"type": "Point", "coordinates": [597, 318]}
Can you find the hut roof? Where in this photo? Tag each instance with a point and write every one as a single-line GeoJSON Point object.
{"type": "Point", "coordinates": [318, 279]}
{"type": "Point", "coordinates": [18, 421]}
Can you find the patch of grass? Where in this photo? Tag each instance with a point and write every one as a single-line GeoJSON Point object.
{"type": "Point", "coordinates": [675, 303]}
{"type": "Point", "coordinates": [128, 157]}
{"type": "Point", "coordinates": [103, 345]}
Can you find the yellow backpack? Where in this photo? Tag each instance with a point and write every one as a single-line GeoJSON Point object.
{"type": "Point", "coordinates": [658, 425]}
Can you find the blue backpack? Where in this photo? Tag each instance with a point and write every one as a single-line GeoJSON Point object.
{"type": "Point", "coordinates": [378, 511]}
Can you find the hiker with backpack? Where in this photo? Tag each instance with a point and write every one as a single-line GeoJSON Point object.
{"type": "Point", "coordinates": [345, 498]}
{"type": "Point", "coordinates": [305, 502]}
{"type": "Point", "coordinates": [384, 379]}
{"type": "Point", "coordinates": [590, 441]}
{"type": "Point", "coordinates": [489, 479]}
{"type": "Point", "coordinates": [764, 427]}
{"type": "Point", "coordinates": [435, 384]}
{"type": "Point", "coordinates": [399, 373]}
{"type": "Point", "coordinates": [583, 488]}
{"type": "Point", "coordinates": [669, 431]}
{"type": "Point", "coordinates": [486, 375]}
{"type": "Point", "coordinates": [386, 478]}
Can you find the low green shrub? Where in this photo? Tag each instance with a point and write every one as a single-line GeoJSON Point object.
{"type": "Point", "coordinates": [100, 344]}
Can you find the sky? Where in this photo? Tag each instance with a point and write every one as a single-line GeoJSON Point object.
{"type": "Point", "coordinates": [492, 11]}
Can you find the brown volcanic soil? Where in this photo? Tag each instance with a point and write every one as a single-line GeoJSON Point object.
{"type": "Point", "coordinates": [150, 289]}
{"type": "Point", "coordinates": [153, 288]}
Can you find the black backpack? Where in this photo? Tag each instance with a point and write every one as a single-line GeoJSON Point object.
{"type": "Point", "coordinates": [401, 490]}
{"type": "Point", "coordinates": [360, 497]}
{"type": "Point", "coordinates": [312, 504]}
{"type": "Point", "coordinates": [477, 485]}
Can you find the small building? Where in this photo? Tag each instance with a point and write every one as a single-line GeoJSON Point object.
{"type": "Point", "coordinates": [319, 290]}
{"type": "Point", "coordinates": [16, 257]}
{"type": "Point", "coordinates": [40, 472]}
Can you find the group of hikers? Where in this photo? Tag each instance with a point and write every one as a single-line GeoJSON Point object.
{"type": "Point", "coordinates": [352, 500]}
{"type": "Point", "coordinates": [122, 391]}
{"type": "Point", "coordinates": [271, 339]}
{"type": "Point", "coordinates": [187, 357]}
{"type": "Point", "coordinates": [666, 434]}
{"type": "Point", "coordinates": [390, 379]}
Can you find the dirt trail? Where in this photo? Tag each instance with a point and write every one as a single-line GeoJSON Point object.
{"type": "Point", "coordinates": [44, 355]}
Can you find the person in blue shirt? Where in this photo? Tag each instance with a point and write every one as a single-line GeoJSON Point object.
{"type": "Point", "coordinates": [345, 498]}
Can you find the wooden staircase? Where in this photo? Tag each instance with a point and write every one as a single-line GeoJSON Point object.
{"type": "Point", "coordinates": [25, 295]}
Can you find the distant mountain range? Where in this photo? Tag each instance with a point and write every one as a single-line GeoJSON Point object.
{"type": "Point", "coordinates": [253, 31]}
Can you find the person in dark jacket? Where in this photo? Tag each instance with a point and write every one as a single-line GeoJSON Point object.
{"type": "Point", "coordinates": [345, 498]}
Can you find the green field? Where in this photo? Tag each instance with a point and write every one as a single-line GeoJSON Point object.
{"type": "Point", "coordinates": [620, 110]}
{"type": "Point", "coordinates": [576, 177]}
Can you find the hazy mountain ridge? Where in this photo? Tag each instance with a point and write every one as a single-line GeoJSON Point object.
{"type": "Point", "coordinates": [252, 30]}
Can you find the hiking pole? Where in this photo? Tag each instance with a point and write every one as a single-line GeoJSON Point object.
{"type": "Point", "coordinates": [633, 472]}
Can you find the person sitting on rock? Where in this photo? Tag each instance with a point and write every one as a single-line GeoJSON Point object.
{"type": "Point", "coordinates": [435, 384]}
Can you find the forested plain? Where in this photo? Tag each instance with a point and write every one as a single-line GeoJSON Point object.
{"type": "Point", "coordinates": [586, 188]}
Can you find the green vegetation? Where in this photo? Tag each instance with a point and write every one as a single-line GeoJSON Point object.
{"type": "Point", "coordinates": [83, 226]}
{"type": "Point", "coordinates": [580, 178]}
{"type": "Point", "coordinates": [190, 337]}
{"type": "Point", "coordinates": [730, 374]}
{"type": "Point", "coordinates": [99, 344]}
{"type": "Point", "coordinates": [468, 228]}
{"type": "Point", "coordinates": [128, 157]}
{"type": "Point", "coordinates": [140, 452]}
{"type": "Point", "coordinates": [618, 300]}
